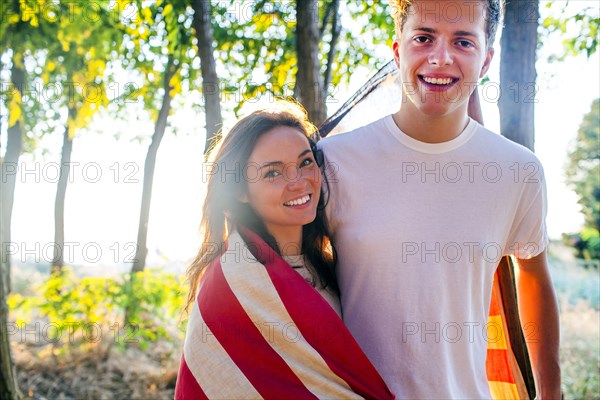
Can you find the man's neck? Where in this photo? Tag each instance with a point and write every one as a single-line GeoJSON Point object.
{"type": "Point", "coordinates": [430, 129]}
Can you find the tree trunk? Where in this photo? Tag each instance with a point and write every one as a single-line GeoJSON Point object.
{"type": "Point", "coordinates": [309, 81]}
{"type": "Point", "coordinates": [8, 383]}
{"type": "Point", "coordinates": [516, 104]}
{"type": "Point", "coordinates": [9, 388]}
{"type": "Point", "coordinates": [58, 260]}
{"type": "Point", "coordinates": [159, 130]}
{"type": "Point", "coordinates": [517, 71]}
{"type": "Point", "coordinates": [10, 170]}
{"type": "Point", "coordinates": [336, 28]}
{"type": "Point", "coordinates": [210, 80]}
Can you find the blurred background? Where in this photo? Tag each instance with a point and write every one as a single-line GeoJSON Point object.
{"type": "Point", "coordinates": [107, 110]}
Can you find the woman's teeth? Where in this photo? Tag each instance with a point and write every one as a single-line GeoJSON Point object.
{"type": "Point", "coordinates": [298, 202]}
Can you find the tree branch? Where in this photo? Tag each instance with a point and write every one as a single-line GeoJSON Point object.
{"type": "Point", "coordinates": [336, 28]}
{"type": "Point", "coordinates": [325, 19]}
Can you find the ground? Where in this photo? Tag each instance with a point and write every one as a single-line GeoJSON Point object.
{"type": "Point", "coordinates": [105, 370]}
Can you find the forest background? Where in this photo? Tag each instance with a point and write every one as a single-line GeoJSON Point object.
{"type": "Point", "coordinates": [106, 110]}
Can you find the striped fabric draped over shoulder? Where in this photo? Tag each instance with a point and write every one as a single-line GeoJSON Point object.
{"type": "Point", "coordinates": [259, 330]}
{"type": "Point", "coordinates": [507, 364]}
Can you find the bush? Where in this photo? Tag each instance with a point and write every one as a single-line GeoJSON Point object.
{"type": "Point", "coordinates": [591, 238]}
{"type": "Point", "coordinates": [77, 309]}
{"type": "Point", "coordinates": [586, 243]}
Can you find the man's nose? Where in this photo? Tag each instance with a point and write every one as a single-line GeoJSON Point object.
{"type": "Point", "coordinates": [441, 54]}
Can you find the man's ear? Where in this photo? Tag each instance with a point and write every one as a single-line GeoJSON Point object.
{"type": "Point", "coordinates": [486, 64]}
{"type": "Point", "coordinates": [396, 51]}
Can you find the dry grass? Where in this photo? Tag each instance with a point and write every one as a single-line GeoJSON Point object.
{"type": "Point", "coordinates": [578, 290]}
{"type": "Point", "coordinates": [580, 350]}
{"type": "Point", "coordinates": [97, 371]}
{"type": "Point", "coordinates": [103, 371]}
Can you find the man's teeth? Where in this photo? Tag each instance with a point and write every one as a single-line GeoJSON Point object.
{"type": "Point", "coordinates": [438, 81]}
{"type": "Point", "coordinates": [298, 202]}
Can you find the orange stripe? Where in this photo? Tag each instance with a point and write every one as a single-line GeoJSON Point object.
{"type": "Point", "coordinates": [497, 366]}
{"type": "Point", "coordinates": [495, 303]}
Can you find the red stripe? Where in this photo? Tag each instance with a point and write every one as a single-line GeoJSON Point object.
{"type": "Point", "coordinates": [320, 325]}
{"type": "Point", "coordinates": [186, 387]}
{"type": "Point", "coordinates": [235, 331]}
{"type": "Point", "coordinates": [497, 366]}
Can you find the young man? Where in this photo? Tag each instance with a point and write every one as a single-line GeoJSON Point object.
{"type": "Point", "coordinates": [424, 203]}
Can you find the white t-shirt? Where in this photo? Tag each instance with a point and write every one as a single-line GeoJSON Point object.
{"type": "Point", "coordinates": [419, 229]}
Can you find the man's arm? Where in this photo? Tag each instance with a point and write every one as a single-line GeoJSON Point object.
{"type": "Point", "coordinates": [539, 317]}
{"type": "Point", "coordinates": [474, 108]}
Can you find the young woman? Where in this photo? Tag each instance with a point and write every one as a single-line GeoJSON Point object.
{"type": "Point", "coordinates": [265, 314]}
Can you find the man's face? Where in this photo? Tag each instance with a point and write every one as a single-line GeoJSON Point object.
{"type": "Point", "coordinates": [442, 53]}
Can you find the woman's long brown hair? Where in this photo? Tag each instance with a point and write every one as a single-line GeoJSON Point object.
{"type": "Point", "coordinates": [223, 211]}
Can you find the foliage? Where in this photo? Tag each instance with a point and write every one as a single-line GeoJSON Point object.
{"type": "Point", "coordinates": [77, 310]}
{"type": "Point", "coordinates": [20, 42]}
{"type": "Point", "coordinates": [66, 72]}
{"type": "Point", "coordinates": [256, 45]}
{"type": "Point", "coordinates": [157, 31]}
{"type": "Point", "coordinates": [583, 168]}
{"type": "Point", "coordinates": [585, 23]}
{"type": "Point", "coordinates": [591, 239]}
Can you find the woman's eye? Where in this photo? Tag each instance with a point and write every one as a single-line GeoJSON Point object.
{"type": "Point", "coordinates": [307, 161]}
{"type": "Point", "coordinates": [272, 174]}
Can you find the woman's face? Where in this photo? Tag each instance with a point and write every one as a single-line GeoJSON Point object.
{"type": "Point", "coordinates": [284, 181]}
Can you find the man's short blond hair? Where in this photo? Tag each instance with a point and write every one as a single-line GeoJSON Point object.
{"type": "Point", "coordinates": [493, 11]}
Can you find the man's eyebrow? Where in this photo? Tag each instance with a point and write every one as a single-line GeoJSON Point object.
{"type": "Point", "coordinates": [432, 30]}
{"type": "Point", "coordinates": [464, 33]}
{"type": "Point", "coordinates": [278, 163]}
{"type": "Point", "coordinates": [425, 29]}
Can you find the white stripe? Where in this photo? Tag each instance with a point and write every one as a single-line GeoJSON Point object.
{"type": "Point", "coordinates": [216, 373]}
{"type": "Point", "coordinates": [254, 289]}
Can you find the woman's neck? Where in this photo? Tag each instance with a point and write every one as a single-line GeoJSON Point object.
{"type": "Point", "coordinates": [288, 240]}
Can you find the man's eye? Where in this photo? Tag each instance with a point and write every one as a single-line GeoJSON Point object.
{"type": "Point", "coordinates": [422, 39]}
{"type": "Point", "coordinates": [465, 43]}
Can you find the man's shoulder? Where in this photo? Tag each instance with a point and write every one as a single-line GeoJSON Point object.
{"type": "Point", "coordinates": [503, 147]}
{"type": "Point", "coordinates": [357, 137]}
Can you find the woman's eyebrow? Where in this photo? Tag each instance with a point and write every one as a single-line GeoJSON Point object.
{"type": "Point", "coordinates": [279, 163]}
{"type": "Point", "coordinates": [304, 153]}
{"type": "Point", "coordinates": [271, 164]}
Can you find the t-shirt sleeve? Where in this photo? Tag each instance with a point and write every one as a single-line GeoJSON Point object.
{"type": "Point", "coordinates": [528, 236]}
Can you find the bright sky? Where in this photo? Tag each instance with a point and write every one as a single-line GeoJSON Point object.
{"type": "Point", "coordinates": [103, 200]}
